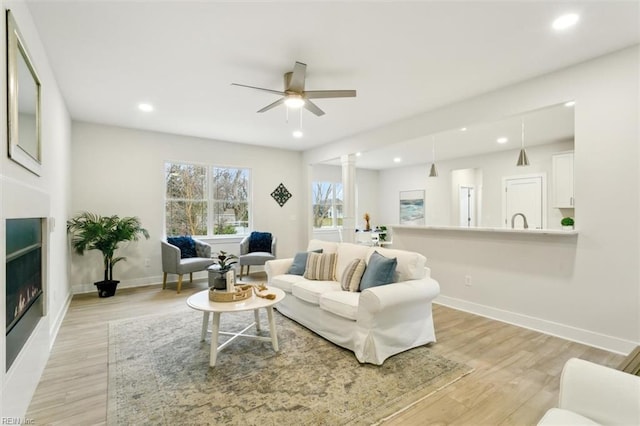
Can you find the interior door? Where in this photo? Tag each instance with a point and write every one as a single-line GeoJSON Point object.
{"type": "Point", "coordinates": [524, 195]}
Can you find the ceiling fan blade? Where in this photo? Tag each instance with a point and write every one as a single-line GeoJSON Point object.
{"type": "Point", "coordinates": [277, 92]}
{"type": "Point", "coordinates": [296, 83]}
{"type": "Point", "coordinates": [273, 105]}
{"type": "Point", "coordinates": [317, 94]}
{"type": "Point", "coordinates": [313, 108]}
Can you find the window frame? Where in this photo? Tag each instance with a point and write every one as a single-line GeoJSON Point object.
{"type": "Point", "coordinates": [210, 198]}
{"type": "Point", "coordinates": [333, 209]}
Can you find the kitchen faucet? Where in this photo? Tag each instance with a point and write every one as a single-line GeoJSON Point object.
{"type": "Point", "coordinates": [513, 218]}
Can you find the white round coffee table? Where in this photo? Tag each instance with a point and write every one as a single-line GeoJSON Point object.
{"type": "Point", "coordinates": [200, 301]}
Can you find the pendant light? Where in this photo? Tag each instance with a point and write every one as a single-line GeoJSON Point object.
{"type": "Point", "coordinates": [523, 160]}
{"type": "Point", "coordinates": [433, 172]}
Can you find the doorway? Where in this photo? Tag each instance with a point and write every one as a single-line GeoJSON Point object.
{"type": "Point", "coordinates": [526, 195]}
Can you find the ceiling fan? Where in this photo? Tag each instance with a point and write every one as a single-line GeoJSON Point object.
{"type": "Point", "coordinates": [294, 95]}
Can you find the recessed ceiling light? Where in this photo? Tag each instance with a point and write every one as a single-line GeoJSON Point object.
{"type": "Point", "coordinates": [502, 140]}
{"type": "Point", "coordinates": [565, 21]}
{"type": "Point", "coordinates": [145, 107]}
{"type": "Point", "coordinates": [397, 160]}
{"type": "Point", "coordinates": [569, 104]}
{"type": "Point", "coordinates": [358, 154]}
{"type": "Point", "coordinates": [463, 129]}
{"type": "Point", "coordinates": [298, 134]}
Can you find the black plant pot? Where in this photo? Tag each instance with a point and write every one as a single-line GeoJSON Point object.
{"type": "Point", "coordinates": [220, 282]}
{"type": "Point", "coordinates": [106, 288]}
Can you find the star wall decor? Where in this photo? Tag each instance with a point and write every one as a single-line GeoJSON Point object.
{"type": "Point", "coordinates": [281, 195]}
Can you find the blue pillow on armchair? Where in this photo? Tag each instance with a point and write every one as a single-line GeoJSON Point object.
{"type": "Point", "coordinates": [186, 245]}
{"type": "Point", "coordinates": [260, 241]}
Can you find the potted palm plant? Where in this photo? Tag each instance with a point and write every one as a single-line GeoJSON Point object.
{"type": "Point", "coordinates": [104, 233]}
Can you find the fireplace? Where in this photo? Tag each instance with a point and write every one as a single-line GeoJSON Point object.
{"type": "Point", "coordinates": [24, 301]}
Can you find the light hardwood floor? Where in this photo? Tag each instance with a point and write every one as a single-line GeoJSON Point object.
{"type": "Point", "coordinates": [515, 380]}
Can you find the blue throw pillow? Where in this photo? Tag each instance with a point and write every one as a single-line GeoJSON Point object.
{"type": "Point", "coordinates": [260, 241]}
{"type": "Point", "coordinates": [186, 245]}
{"type": "Point", "coordinates": [380, 271]}
{"type": "Point", "coordinates": [300, 262]}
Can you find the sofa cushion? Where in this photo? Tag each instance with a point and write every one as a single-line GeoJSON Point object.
{"type": "Point", "coordinates": [285, 282]}
{"type": "Point", "coordinates": [352, 275]}
{"type": "Point", "coordinates": [186, 245]}
{"type": "Point", "coordinates": [380, 270]}
{"type": "Point", "coordinates": [326, 246]}
{"type": "Point", "coordinates": [341, 303]}
{"type": "Point", "coordinates": [410, 264]}
{"type": "Point", "coordinates": [310, 291]}
{"type": "Point", "coordinates": [321, 266]}
{"type": "Point", "coordinates": [300, 262]}
{"type": "Point", "coordinates": [347, 252]}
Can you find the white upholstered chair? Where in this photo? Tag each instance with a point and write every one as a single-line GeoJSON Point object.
{"type": "Point", "coordinates": [592, 394]}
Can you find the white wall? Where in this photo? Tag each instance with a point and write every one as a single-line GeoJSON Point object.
{"type": "Point", "coordinates": [121, 171]}
{"type": "Point", "coordinates": [584, 288]}
{"type": "Point", "coordinates": [24, 194]}
{"type": "Point", "coordinates": [441, 199]}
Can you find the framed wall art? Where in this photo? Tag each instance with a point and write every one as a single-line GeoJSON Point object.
{"type": "Point", "coordinates": [412, 207]}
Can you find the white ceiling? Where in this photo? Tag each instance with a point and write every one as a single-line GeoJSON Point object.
{"type": "Point", "coordinates": [544, 126]}
{"type": "Point", "coordinates": [403, 58]}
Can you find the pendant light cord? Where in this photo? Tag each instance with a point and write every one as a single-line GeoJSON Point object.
{"type": "Point", "coordinates": [433, 148]}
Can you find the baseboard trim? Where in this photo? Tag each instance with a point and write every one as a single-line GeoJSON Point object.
{"type": "Point", "coordinates": [57, 322]}
{"type": "Point", "coordinates": [574, 334]}
{"type": "Point", "coordinates": [142, 282]}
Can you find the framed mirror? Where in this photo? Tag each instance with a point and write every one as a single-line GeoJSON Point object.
{"type": "Point", "coordinates": [23, 103]}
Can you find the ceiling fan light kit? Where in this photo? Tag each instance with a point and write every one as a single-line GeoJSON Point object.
{"type": "Point", "coordinates": [294, 95]}
{"type": "Point", "coordinates": [294, 101]}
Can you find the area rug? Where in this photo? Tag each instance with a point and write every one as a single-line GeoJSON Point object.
{"type": "Point", "coordinates": [159, 374]}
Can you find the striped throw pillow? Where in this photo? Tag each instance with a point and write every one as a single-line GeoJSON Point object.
{"type": "Point", "coordinates": [352, 275]}
{"type": "Point", "coordinates": [321, 266]}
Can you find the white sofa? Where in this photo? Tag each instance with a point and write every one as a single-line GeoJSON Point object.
{"type": "Point", "coordinates": [376, 323]}
{"type": "Point", "coordinates": [592, 394]}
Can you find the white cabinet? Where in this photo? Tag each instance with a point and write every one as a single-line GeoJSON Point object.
{"type": "Point", "coordinates": [562, 169]}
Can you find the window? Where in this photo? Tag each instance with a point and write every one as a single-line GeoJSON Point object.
{"type": "Point", "coordinates": [327, 204]}
{"type": "Point", "coordinates": [206, 200]}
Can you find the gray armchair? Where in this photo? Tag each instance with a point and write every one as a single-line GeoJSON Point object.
{"type": "Point", "coordinates": [248, 257]}
{"type": "Point", "coordinates": [172, 263]}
